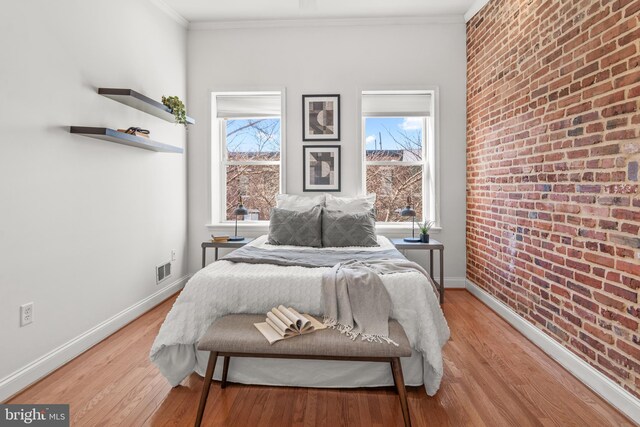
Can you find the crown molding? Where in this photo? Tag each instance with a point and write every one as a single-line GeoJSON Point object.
{"type": "Point", "coordinates": [326, 22]}
{"type": "Point", "coordinates": [170, 12]}
{"type": "Point", "coordinates": [475, 8]}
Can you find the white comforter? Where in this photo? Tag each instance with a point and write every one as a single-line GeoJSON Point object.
{"type": "Point", "coordinates": [224, 287]}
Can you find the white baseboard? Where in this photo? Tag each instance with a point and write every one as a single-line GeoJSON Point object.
{"type": "Point", "coordinates": [617, 396]}
{"type": "Point", "coordinates": [39, 368]}
{"type": "Point", "coordinates": [454, 282]}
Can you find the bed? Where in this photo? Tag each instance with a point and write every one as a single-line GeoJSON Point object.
{"type": "Point", "coordinates": [225, 287]}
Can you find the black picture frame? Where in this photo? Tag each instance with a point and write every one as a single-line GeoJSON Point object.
{"type": "Point", "coordinates": [309, 187]}
{"type": "Point", "coordinates": [308, 136]}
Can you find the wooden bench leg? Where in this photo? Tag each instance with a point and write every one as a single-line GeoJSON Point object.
{"type": "Point", "coordinates": [396, 369]}
{"type": "Point", "coordinates": [225, 370]}
{"type": "Point", "coordinates": [211, 366]}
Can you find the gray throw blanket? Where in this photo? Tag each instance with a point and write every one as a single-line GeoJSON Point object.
{"type": "Point", "coordinates": [310, 259]}
{"type": "Point", "coordinates": [355, 300]}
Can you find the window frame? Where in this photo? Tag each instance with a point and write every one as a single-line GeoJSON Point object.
{"type": "Point", "coordinates": [430, 155]}
{"type": "Point", "coordinates": [219, 157]}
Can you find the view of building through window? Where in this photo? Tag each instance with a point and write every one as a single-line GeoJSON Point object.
{"type": "Point", "coordinates": [394, 164]}
{"type": "Point", "coordinates": [397, 137]}
{"type": "Point", "coordinates": [252, 165]}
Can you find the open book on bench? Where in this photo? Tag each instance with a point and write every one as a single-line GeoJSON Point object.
{"type": "Point", "coordinates": [282, 323]}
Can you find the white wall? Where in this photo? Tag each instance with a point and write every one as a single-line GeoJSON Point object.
{"type": "Point", "coordinates": [333, 59]}
{"type": "Point", "coordinates": [83, 223]}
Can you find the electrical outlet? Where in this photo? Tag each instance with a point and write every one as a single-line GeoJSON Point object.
{"type": "Point", "coordinates": [26, 314]}
{"type": "Point", "coordinates": [173, 254]}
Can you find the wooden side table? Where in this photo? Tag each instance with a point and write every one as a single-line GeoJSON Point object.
{"type": "Point", "coordinates": [218, 245]}
{"type": "Point", "coordinates": [433, 245]}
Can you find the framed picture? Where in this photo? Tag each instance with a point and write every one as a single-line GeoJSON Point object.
{"type": "Point", "coordinates": [321, 168]}
{"type": "Point", "coordinates": [321, 117]}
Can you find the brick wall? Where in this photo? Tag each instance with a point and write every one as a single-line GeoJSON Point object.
{"type": "Point", "coordinates": [553, 207]}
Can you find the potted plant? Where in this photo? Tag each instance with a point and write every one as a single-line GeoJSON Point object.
{"type": "Point", "coordinates": [424, 231]}
{"type": "Point", "coordinates": [177, 109]}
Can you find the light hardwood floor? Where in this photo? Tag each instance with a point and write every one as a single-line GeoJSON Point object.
{"type": "Point", "coordinates": [493, 377]}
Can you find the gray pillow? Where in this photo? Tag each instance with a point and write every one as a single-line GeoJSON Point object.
{"type": "Point", "coordinates": [296, 228]}
{"type": "Point", "coordinates": [341, 229]}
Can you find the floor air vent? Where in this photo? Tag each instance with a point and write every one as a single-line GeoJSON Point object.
{"type": "Point", "coordinates": [162, 272]}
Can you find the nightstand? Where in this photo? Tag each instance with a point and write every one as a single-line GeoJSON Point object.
{"type": "Point", "coordinates": [218, 245]}
{"type": "Point", "coordinates": [433, 245]}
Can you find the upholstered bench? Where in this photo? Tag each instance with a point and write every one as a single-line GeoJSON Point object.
{"type": "Point", "coordinates": [234, 335]}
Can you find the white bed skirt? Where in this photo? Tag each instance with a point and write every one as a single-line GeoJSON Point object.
{"type": "Point", "coordinates": [313, 373]}
{"type": "Point", "coordinates": [224, 288]}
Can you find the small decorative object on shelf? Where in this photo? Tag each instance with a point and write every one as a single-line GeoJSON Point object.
{"type": "Point", "coordinates": [177, 109]}
{"type": "Point", "coordinates": [424, 231]}
{"type": "Point", "coordinates": [409, 211]}
{"type": "Point", "coordinates": [141, 102]}
{"type": "Point", "coordinates": [240, 210]}
{"type": "Point", "coordinates": [136, 131]}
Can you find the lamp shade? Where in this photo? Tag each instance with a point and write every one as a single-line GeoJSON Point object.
{"type": "Point", "coordinates": [241, 210]}
{"type": "Point", "coordinates": [407, 211]}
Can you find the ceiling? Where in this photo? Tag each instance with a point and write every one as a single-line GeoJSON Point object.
{"type": "Point", "coordinates": [244, 10]}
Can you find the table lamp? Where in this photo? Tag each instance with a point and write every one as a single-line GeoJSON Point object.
{"type": "Point", "coordinates": [409, 211]}
{"type": "Point", "coordinates": [240, 210]}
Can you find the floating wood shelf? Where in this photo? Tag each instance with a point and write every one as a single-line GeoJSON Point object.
{"type": "Point", "coordinates": [141, 102]}
{"type": "Point", "coordinates": [107, 134]}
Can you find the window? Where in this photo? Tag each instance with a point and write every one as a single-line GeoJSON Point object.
{"type": "Point", "coordinates": [398, 141]}
{"type": "Point", "coordinates": [249, 129]}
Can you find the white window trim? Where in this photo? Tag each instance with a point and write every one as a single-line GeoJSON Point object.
{"type": "Point", "coordinates": [217, 190]}
{"type": "Point", "coordinates": [431, 171]}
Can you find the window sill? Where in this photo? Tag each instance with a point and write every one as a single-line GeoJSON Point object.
{"type": "Point", "coordinates": [263, 226]}
{"type": "Point", "coordinates": [253, 225]}
{"type": "Point", "coordinates": [391, 228]}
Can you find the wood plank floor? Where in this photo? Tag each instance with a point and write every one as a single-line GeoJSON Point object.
{"type": "Point", "coordinates": [493, 377]}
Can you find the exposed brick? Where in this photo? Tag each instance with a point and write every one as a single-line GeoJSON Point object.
{"type": "Point", "coordinates": [632, 171]}
{"type": "Point", "coordinates": [584, 349]}
{"type": "Point", "coordinates": [599, 259]}
{"type": "Point", "coordinates": [610, 302]}
{"type": "Point", "coordinates": [553, 179]}
{"type": "Point", "coordinates": [578, 288]}
{"type": "Point", "coordinates": [625, 81]}
{"type": "Point", "coordinates": [623, 360]}
{"type": "Point", "coordinates": [626, 214]}
{"type": "Point", "coordinates": [588, 140]}
{"type": "Point", "coordinates": [592, 342]}
{"type": "Point", "coordinates": [599, 333]}
{"type": "Point", "coordinates": [632, 9]}
{"type": "Point", "coordinates": [621, 292]}
{"type": "Point", "coordinates": [606, 363]}
{"type": "Point", "coordinates": [633, 268]}
{"type": "Point", "coordinates": [618, 239]}
{"type": "Point", "coordinates": [627, 107]}
{"type": "Point", "coordinates": [586, 303]}
{"type": "Point", "coordinates": [631, 349]}
{"type": "Point", "coordinates": [621, 318]}
{"type": "Point", "coordinates": [605, 150]}
{"type": "Point", "coordinates": [619, 54]}
{"type": "Point", "coordinates": [557, 331]}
